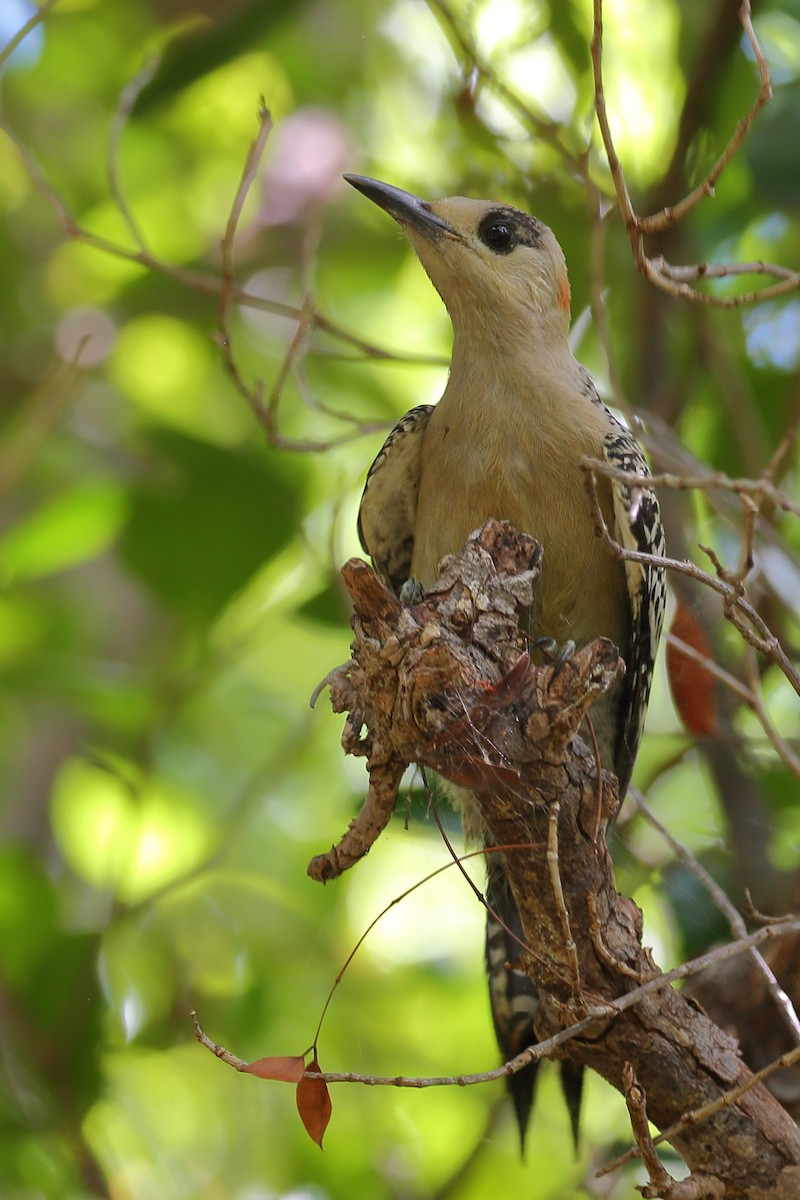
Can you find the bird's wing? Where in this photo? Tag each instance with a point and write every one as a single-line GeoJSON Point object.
{"type": "Point", "coordinates": [389, 503]}
{"type": "Point", "coordinates": [637, 526]}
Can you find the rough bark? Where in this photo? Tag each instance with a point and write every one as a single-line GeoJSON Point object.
{"type": "Point", "coordinates": [448, 684]}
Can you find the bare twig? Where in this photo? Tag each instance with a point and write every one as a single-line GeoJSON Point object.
{"type": "Point", "coordinates": [729, 910]}
{"type": "Point", "coordinates": [698, 1115]}
{"type": "Point", "coordinates": [779, 461]}
{"type": "Point", "coordinates": [551, 132]}
{"type": "Point", "coordinates": [232, 1060]}
{"type": "Point", "coordinates": [705, 270]}
{"type": "Point", "coordinates": [671, 216]}
{"type": "Point", "coordinates": [249, 174]}
{"type": "Point", "coordinates": [266, 413]}
{"type": "Point", "coordinates": [735, 606]}
{"type": "Point", "coordinates": [787, 755]}
{"type": "Point", "coordinates": [127, 101]}
{"type": "Point", "coordinates": [205, 283]}
{"type": "Point", "coordinates": [589, 1023]}
{"type": "Point", "coordinates": [677, 280]}
{"type": "Point", "coordinates": [36, 19]}
{"type": "Point", "coordinates": [558, 892]}
{"type": "Point", "coordinates": [761, 486]}
{"type": "Point", "coordinates": [749, 696]}
{"type": "Point", "coordinates": [660, 1179]}
{"type": "Point", "coordinates": [618, 178]}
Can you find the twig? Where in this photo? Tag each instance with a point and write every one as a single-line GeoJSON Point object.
{"type": "Point", "coordinates": [671, 216]}
{"type": "Point", "coordinates": [729, 911]}
{"type": "Point", "coordinates": [677, 279]}
{"type": "Point", "coordinates": [706, 270]}
{"type": "Point", "coordinates": [598, 1013]}
{"type": "Point", "coordinates": [19, 37]}
{"type": "Point", "coordinates": [203, 282]}
{"type": "Point", "coordinates": [249, 172]}
{"type": "Point", "coordinates": [252, 394]}
{"type": "Point", "coordinates": [266, 413]}
{"type": "Point", "coordinates": [550, 132]}
{"type": "Point", "coordinates": [232, 1060]}
{"type": "Point", "coordinates": [787, 755]}
{"type": "Point", "coordinates": [127, 101]}
{"type": "Point", "coordinates": [681, 276]}
{"type": "Point", "coordinates": [761, 486]}
{"type": "Point", "coordinates": [660, 1179]}
{"type": "Point", "coordinates": [748, 696]}
{"type": "Point", "coordinates": [735, 606]}
{"type": "Point", "coordinates": [778, 463]}
{"type": "Point", "coordinates": [744, 617]}
{"type": "Point", "coordinates": [558, 892]}
{"type": "Point", "coordinates": [697, 1115]}
{"type": "Point", "coordinates": [617, 176]}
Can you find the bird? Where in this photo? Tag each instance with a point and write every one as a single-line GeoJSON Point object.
{"type": "Point", "coordinates": [506, 440]}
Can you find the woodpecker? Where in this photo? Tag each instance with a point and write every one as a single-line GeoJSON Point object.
{"type": "Point", "coordinates": [506, 440]}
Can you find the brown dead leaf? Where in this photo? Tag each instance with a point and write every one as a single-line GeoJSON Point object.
{"type": "Point", "coordinates": [314, 1104]}
{"type": "Point", "coordinates": [693, 687]}
{"type": "Point", "coordinates": [288, 1068]}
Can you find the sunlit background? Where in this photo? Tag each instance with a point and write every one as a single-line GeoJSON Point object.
{"type": "Point", "coordinates": [168, 581]}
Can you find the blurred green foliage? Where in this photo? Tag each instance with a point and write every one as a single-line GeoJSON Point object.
{"type": "Point", "coordinates": [168, 587]}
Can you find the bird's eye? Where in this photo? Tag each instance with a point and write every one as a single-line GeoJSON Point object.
{"type": "Point", "coordinates": [498, 235]}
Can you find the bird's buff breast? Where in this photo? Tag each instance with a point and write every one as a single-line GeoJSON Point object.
{"type": "Point", "coordinates": [539, 489]}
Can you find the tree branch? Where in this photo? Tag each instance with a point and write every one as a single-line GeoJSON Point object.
{"type": "Point", "coordinates": [415, 673]}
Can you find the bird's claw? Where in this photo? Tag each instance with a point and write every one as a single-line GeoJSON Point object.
{"type": "Point", "coordinates": [412, 592]}
{"type": "Point", "coordinates": [557, 655]}
{"type": "Point", "coordinates": [564, 655]}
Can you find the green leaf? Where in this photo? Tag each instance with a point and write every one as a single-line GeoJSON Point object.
{"type": "Point", "coordinates": [75, 526]}
{"type": "Point", "coordinates": [204, 519]}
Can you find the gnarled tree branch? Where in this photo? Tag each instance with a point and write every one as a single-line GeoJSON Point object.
{"type": "Point", "coordinates": [448, 683]}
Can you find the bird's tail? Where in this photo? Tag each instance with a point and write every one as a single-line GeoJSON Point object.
{"type": "Point", "coordinates": [515, 1003]}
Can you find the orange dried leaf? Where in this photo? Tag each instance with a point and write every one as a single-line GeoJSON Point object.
{"type": "Point", "coordinates": [288, 1068]}
{"type": "Point", "coordinates": [314, 1104]}
{"type": "Point", "coordinates": [693, 687]}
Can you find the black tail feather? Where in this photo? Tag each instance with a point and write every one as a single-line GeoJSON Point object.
{"type": "Point", "coordinates": [571, 1076]}
{"type": "Point", "coordinates": [522, 1091]}
{"type": "Point", "coordinates": [515, 1002]}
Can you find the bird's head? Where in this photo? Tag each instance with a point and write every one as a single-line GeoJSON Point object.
{"type": "Point", "coordinates": [491, 264]}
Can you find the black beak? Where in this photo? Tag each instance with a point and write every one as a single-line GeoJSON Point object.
{"type": "Point", "coordinates": [406, 208]}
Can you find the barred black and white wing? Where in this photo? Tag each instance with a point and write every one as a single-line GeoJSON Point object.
{"type": "Point", "coordinates": [389, 503]}
{"type": "Point", "coordinates": [637, 526]}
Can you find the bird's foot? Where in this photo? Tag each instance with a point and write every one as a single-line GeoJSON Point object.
{"type": "Point", "coordinates": [558, 655]}
{"type": "Point", "coordinates": [412, 592]}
